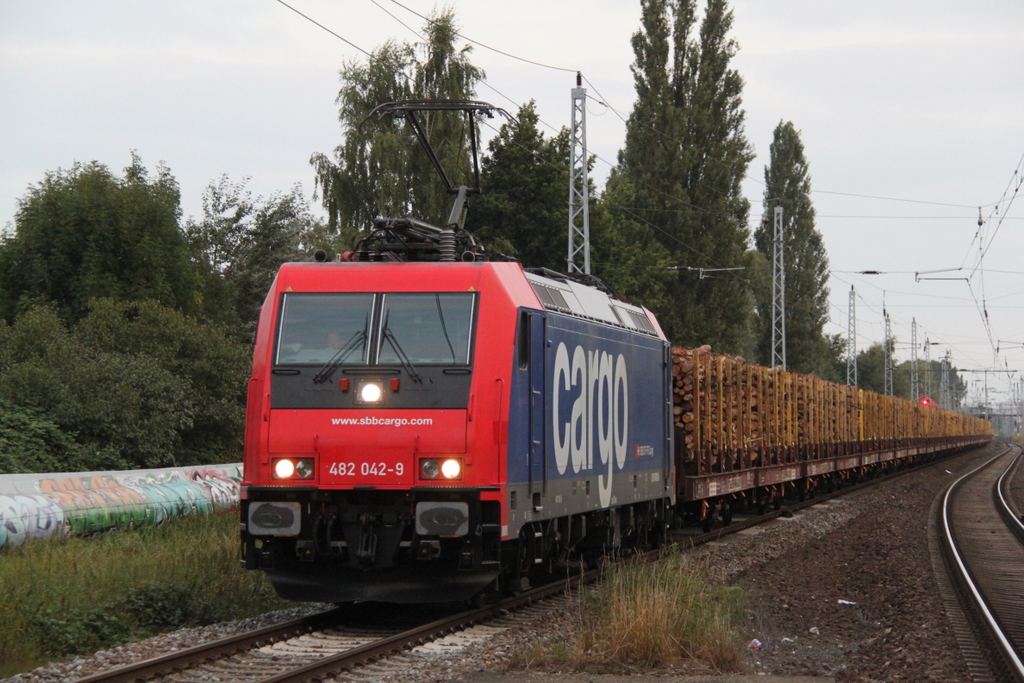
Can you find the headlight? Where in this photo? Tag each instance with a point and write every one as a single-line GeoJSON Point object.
{"type": "Point", "coordinates": [429, 469]}
{"type": "Point", "coordinates": [304, 468]}
{"type": "Point", "coordinates": [284, 469]}
{"type": "Point", "coordinates": [451, 468]}
{"type": "Point", "coordinates": [293, 468]}
{"type": "Point", "coordinates": [371, 392]}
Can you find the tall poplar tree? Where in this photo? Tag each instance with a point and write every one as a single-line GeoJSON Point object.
{"type": "Point", "coordinates": [788, 183]}
{"type": "Point", "coordinates": [379, 168]}
{"type": "Point", "coordinates": [685, 156]}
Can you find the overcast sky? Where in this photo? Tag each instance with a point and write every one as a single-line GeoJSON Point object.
{"type": "Point", "coordinates": [911, 114]}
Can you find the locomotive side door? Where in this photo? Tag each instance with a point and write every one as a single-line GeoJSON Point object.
{"type": "Point", "coordinates": [537, 334]}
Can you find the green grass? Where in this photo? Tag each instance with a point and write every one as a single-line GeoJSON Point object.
{"type": "Point", "coordinates": [66, 596]}
{"type": "Point", "coordinates": [650, 615]}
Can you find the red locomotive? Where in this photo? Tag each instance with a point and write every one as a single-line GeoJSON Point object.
{"type": "Point", "coordinates": [424, 423]}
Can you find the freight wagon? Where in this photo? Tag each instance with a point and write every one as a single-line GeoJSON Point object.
{"type": "Point", "coordinates": [746, 433]}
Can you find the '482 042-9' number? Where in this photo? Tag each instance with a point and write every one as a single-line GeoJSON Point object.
{"type": "Point", "coordinates": [366, 469]}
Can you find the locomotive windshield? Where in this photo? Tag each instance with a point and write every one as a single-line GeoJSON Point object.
{"type": "Point", "coordinates": [315, 327]}
{"type": "Point", "coordinates": [430, 328]}
{"type": "Point", "coordinates": [427, 328]}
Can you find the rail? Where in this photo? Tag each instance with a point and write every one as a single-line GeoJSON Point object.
{"type": "Point", "coordinates": [986, 559]}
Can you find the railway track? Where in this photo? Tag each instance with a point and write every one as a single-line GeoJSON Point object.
{"type": "Point", "coordinates": [313, 647]}
{"type": "Point", "coordinates": [982, 543]}
{"type": "Point", "coordinates": [327, 644]}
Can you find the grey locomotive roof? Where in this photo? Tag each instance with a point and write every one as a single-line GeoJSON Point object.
{"type": "Point", "coordinates": [584, 301]}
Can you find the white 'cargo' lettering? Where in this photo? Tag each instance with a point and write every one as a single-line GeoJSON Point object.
{"type": "Point", "coordinates": [603, 385]}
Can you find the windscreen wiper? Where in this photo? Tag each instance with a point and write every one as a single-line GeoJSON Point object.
{"type": "Point", "coordinates": [404, 359]}
{"type": "Point", "coordinates": [354, 342]}
{"type": "Point", "coordinates": [444, 328]}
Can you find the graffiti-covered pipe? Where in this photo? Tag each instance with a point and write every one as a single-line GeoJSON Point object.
{"type": "Point", "coordinates": [41, 505]}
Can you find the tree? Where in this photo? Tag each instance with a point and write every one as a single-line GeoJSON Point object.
{"type": "Point", "coordinates": [788, 184]}
{"type": "Point", "coordinates": [243, 241]}
{"type": "Point", "coordinates": [903, 374]}
{"type": "Point", "coordinates": [626, 254]}
{"type": "Point", "coordinates": [834, 369]}
{"type": "Point", "coordinates": [213, 366]}
{"type": "Point", "coordinates": [85, 233]}
{"type": "Point", "coordinates": [379, 168]}
{"type": "Point", "coordinates": [523, 210]}
{"type": "Point", "coordinates": [686, 155]}
{"type": "Point", "coordinates": [871, 371]}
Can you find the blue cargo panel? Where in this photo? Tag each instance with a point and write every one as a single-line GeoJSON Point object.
{"type": "Point", "coordinates": [598, 397]}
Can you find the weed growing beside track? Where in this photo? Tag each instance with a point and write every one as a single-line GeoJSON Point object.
{"type": "Point", "coordinates": [649, 615]}
{"type": "Point", "coordinates": [62, 597]}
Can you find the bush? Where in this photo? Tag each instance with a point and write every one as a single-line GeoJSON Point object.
{"type": "Point", "coordinates": [133, 385]}
{"type": "Point", "coordinates": [30, 441]}
{"type": "Point", "coordinates": [155, 607]}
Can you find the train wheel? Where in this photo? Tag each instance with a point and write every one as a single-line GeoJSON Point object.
{"type": "Point", "coordinates": [705, 523]}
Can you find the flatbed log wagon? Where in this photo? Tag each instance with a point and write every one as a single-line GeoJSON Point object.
{"type": "Point", "coordinates": [746, 433]}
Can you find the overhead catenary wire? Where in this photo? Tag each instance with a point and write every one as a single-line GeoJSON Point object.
{"type": "Point", "coordinates": [959, 347]}
{"type": "Point", "coordinates": [1000, 206]}
{"type": "Point", "coordinates": [1018, 175]}
{"type": "Point", "coordinates": [339, 37]}
{"type": "Point", "coordinates": [603, 101]}
{"type": "Point", "coordinates": [488, 47]}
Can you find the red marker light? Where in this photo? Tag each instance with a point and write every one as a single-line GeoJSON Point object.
{"type": "Point", "coordinates": [394, 384]}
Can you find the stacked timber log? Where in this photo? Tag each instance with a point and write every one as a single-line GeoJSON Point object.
{"type": "Point", "coordinates": [731, 415]}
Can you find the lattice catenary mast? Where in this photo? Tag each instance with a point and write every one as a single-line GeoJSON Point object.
{"type": "Point", "coordinates": [579, 214]}
{"type": "Point", "coordinates": [778, 294]}
{"type": "Point", "coordinates": [851, 341]}
{"type": "Point", "coordinates": [927, 368]}
{"type": "Point", "coordinates": [915, 380]}
{"type": "Point", "coordinates": [945, 400]}
{"type": "Point", "coordinates": [888, 355]}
